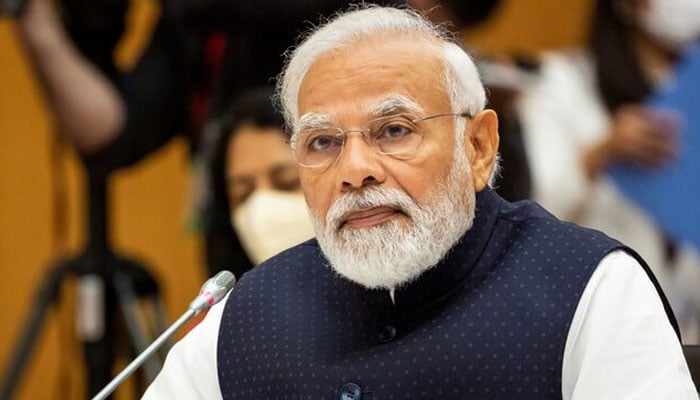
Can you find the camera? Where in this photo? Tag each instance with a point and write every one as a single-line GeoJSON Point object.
{"type": "Point", "coordinates": [11, 8]}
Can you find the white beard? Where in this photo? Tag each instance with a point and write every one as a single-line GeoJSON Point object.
{"type": "Point", "coordinates": [392, 254]}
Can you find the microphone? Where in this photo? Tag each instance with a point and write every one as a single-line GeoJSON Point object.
{"type": "Point", "coordinates": [213, 290]}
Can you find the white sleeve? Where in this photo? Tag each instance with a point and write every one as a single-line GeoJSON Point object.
{"type": "Point", "coordinates": [620, 345]}
{"type": "Point", "coordinates": [560, 121]}
{"type": "Point", "coordinates": [190, 368]}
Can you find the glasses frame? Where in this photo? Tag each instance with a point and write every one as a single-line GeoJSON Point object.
{"type": "Point", "coordinates": [365, 132]}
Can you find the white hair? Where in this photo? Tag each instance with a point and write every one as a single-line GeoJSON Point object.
{"type": "Point", "coordinates": [460, 76]}
{"type": "Point", "coordinates": [462, 82]}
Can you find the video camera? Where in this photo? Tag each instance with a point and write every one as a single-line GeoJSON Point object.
{"type": "Point", "coordinates": [11, 8]}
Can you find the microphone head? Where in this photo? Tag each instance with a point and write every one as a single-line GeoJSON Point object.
{"type": "Point", "coordinates": [213, 290]}
{"type": "Point", "coordinates": [225, 279]}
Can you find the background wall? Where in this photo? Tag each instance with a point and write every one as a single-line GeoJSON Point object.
{"type": "Point", "coordinates": [42, 206]}
{"type": "Point", "coordinates": [42, 198]}
{"type": "Point", "coordinates": [527, 27]}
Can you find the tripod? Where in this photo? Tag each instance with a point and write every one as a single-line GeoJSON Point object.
{"type": "Point", "coordinates": [115, 282]}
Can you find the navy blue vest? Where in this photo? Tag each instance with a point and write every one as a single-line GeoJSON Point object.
{"type": "Point", "coordinates": [489, 322]}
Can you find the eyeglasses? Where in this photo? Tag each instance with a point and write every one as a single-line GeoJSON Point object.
{"type": "Point", "coordinates": [397, 136]}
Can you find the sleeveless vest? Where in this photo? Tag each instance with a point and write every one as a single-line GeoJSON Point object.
{"type": "Point", "coordinates": [488, 322]}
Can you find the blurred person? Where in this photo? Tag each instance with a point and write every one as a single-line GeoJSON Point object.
{"type": "Point", "coordinates": [255, 182]}
{"type": "Point", "coordinates": [422, 281]}
{"type": "Point", "coordinates": [200, 56]}
{"type": "Point", "coordinates": [586, 113]}
{"type": "Point", "coordinates": [86, 106]}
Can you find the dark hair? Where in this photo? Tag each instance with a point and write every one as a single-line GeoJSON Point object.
{"type": "Point", "coordinates": [620, 76]}
{"type": "Point", "coordinates": [254, 107]}
{"type": "Point", "coordinates": [471, 12]}
{"type": "Point", "coordinates": [224, 249]}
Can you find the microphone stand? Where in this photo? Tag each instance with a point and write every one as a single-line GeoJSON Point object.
{"type": "Point", "coordinates": [213, 290]}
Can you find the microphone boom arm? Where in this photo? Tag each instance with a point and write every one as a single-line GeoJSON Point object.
{"type": "Point", "coordinates": [213, 290]}
{"type": "Point", "coordinates": [134, 365]}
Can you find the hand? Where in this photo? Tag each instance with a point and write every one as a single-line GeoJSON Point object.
{"type": "Point", "coordinates": [638, 136]}
{"type": "Point", "coordinates": [643, 137]}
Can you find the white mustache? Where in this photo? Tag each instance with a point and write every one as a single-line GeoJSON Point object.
{"type": "Point", "coordinates": [368, 198]}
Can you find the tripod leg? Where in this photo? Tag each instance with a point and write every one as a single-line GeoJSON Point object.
{"type": "Point", "coordinates": [99, 358]}
{"type": "Point", "coordinates": [128, 301]}
{"type": "Point", "coordinates": [30, 331]}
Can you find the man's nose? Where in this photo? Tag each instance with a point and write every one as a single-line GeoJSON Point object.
{"type": "Point", "coordinates": [359, 164]}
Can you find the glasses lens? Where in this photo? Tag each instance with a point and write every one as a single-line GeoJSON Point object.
{"type": "Point", "coordinates": [317, 147]}
{"type": "Point", "coordinates": [397, 135]}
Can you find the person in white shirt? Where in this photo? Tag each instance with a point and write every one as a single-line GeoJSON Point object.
{"type": "Point", "coordinates": [585, 113]}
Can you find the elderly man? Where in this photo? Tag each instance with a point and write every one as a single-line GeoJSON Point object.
{"type": "Point", "coordinates": [422, 282]}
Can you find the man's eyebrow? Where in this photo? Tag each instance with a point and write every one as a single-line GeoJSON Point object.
{"type": "Point", "coordinates": [312, 120]}
{"type": "Point", "coordinates": [395, 104]}
{"type": "Point", "coordinates": [392, 105]}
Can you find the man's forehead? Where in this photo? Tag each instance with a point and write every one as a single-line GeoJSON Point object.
{"type": "Point", "coordinates": [372, 71]}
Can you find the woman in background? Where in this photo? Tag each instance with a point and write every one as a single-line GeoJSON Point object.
{"type": "Point", "coordinates": [256, 194]}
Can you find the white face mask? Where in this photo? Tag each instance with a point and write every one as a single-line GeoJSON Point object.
{"type": "Point", "coordinates": [270, 221]}
{"type": "Point", "coordinates": [674, 23]}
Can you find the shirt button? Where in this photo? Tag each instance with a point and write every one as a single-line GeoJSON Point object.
{"type": "Point", "coordinates": [386, 333]}
{"type": "Point", "coordinates": [350, 391]}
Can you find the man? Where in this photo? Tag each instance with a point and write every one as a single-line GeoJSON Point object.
{"type": "Point", "coordinates": [422, 282]}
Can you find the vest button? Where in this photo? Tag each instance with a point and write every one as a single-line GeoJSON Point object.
{"type": "Point", "coordinates": [350, 391]}
{"type": "Point", "coordinates": [386, 333]}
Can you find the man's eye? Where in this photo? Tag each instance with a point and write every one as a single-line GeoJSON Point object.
{"type": "Point", "coordinates": [323, 142]}
{"type": "Point", "coordinates": [393, 131]}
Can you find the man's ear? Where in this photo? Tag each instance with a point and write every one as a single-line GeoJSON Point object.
{"type": "Point", "coordinates": [481, 145]}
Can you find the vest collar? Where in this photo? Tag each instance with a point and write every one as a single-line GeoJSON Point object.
{"type": "Point", "coordinates": [455, 270]}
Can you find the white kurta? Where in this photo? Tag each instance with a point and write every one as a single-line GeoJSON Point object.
{"type": "Point", "coordinates": [620, 345]}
